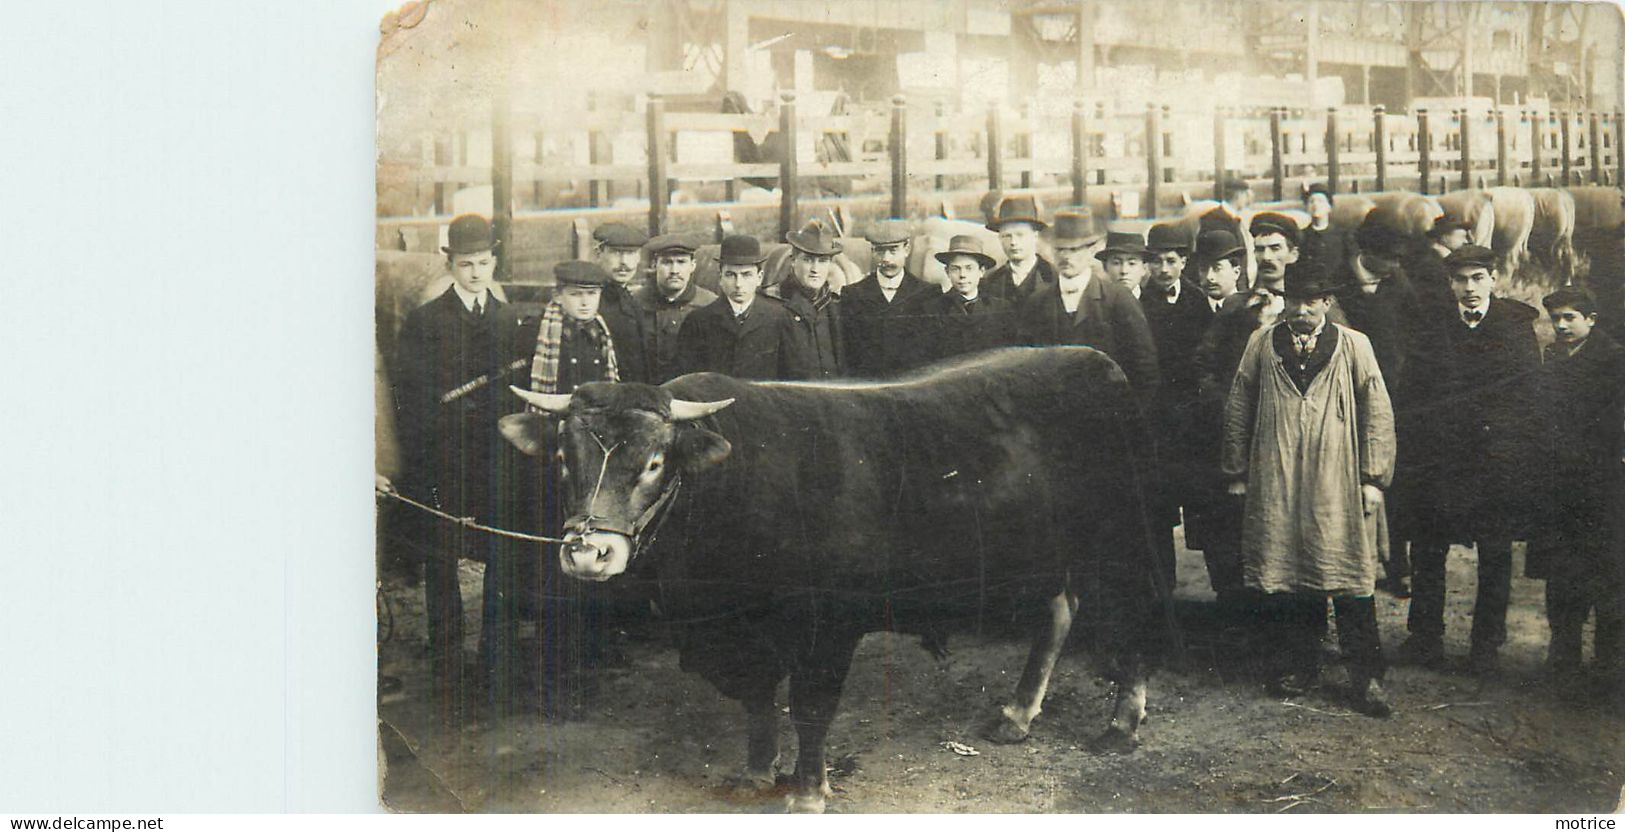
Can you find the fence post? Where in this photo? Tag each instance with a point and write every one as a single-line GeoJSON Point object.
{"type": "Point", "coordinates": [1465, 118]}
{"type": "Point", "coordinates": [1379, 138]}
{"type": "Point", "coordinates": [659, 193]}
{"type": "Point", "coordinates": [1500, 146]}
{"type": "Point", "coordinates": [1568, 161]}
{"type": "Point", "coordinates": [995, 150]}
{"type": "Point", "coordinates": [1153, 156]}
{"type": "Point", "coordinates": [1536, 145]}
{"type": "Point", "coordinates": [897, 148]}
{"type": "Point", "coordinates": [1218, 153]}
{"type": "Point", "coordinates": [502, 185]}
{"type": "Point", "coordinates": [595, 153]}
{"type": "Point", "coordinates": [1334, 147]}
{"type": "Point", "coordinates": [1424, 141]}
{"type": "Point", "coordinates": [1619, 152]}
{"type": "Point", "coordinates": [1027, 143]}
{"type": "Point", "coordinates": [942, 144]}
{"type": "Point", "coordinates": [1277, 173]}
{"type": "Point", "coordinates": [1596, 148]}
{"type": "Point", "coordinates": [539, 145]}
{"type": "Point", "coordinates": [1080, 155]}
{"type": "Point", "coordinates": [787, 165]}
{"type": "Point", "coordinates": [442, 159]}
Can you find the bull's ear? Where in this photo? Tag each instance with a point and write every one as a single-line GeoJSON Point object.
{"type": "Point", "coordinates": [697, 448]}
{"type": "Point", "coordinates": [524, 430]}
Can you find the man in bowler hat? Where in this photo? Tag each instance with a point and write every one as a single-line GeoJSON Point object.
{"type": "Point", "coordinates": [1024, 271]}
{"type": "Point", "coordinates": [881, 314]}
{"type": "Point", "coordinates": [743, 335]}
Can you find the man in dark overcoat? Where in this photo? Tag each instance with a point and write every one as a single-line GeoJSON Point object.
{"type": "Point", "coordinates": [457, 355]}
{"type": "Point", "coordinates": [618, 249]}
{"type": "Point", "coordinates": [1473, 456]}
{"type": "Point", "coordinates": [743, 335]}
{"type": "Point", "coordinates": [964, 319]}
{"type": "Point", "coordinates": [1024, 270]}
{"type": "Point", "coordinates": [1321, 241]}
{"type": "Point", "coordinates": [881, 315]}
{"type": "Point", "coordinates": [817, 350]}
{"type": "Point", "coordinates": [670, 296]}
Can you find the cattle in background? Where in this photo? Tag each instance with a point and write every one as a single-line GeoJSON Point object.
{"type": "Point", "coordinates": [1477, 208]}
{"type": "Point", "coordinates": [1551, 235]}
{"type": "Point", "coordinates": [795, 517]}
{"type": "Point", "coordinates": [1514, 219]}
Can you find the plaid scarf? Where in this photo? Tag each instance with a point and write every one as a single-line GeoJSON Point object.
{"type": "Point", "coordinates": [544, 368]}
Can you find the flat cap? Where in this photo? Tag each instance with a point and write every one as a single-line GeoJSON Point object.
{"type": "Point", "coordinates": [1470, 256]}
{"type": "Point", "coordinates": [580, 273]}
{"type": "Point", "coordinates": [888, 233]}
{"type": "Point", "coordinates": [669, 243]}
{"type": "Point", "coordinates": [619, 235]}
{"type": "Point", "coordinates": [1272, 222]}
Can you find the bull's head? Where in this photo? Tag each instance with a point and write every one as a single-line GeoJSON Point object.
{"type": "Point", "coordinates": [620, 451]}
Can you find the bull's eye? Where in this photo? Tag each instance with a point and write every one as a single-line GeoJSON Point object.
{"type": "Point", "coordinates": [655, 463]}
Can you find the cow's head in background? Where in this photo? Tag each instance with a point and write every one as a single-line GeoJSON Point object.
{"type": "Point", "coordinates": [620, 451]}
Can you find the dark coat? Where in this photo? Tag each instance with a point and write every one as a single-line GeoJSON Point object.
{"type": "Point", "coordinates": [712, 340]}
{"type": "Point", "coordinates": [451, 450]}
{"type": "Point", "coordinates": [956, 328]}
{"type": "Point", "coordinates": [1177, 329]}
{"type": "Point", "coordinates": [1475, 435]}
{"type": "Point", "coordinates": [1328, 247]}
{"type": "Point", "coordinates": [661, 320]}
{"type": "Point", "coordinates": [999, 284]}
{"type": "Point", "coordinates": [624, 316]}
{"type": "Point", "coordinates": [816, 346]}
{"type": "Point", "coordinates": [1580, 397]}
{"type": "Point", "coordinates": [1386, 317]}
{"type": "Point", "coordinates": [882, 337]}
{"type": "Point", "coordinates": [1108, 319]}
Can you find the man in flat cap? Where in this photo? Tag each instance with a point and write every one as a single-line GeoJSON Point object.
{"type": "Point", "coordinates": [742, 335]}
{"type": "Point", "coordinates": [1312, 484]}
{"type": "Point", "coordinates": [618, 250]}
{"type": "Point", "coordinates": [671, 296]}
{"type": "Point", "coordinates": [1123, 259]}
{"type": "Point", "coordinates": [1473, 458]}
{"type": "Point", "coordinates": [964, 319]}
{"type": "Point", "coordinates": [1275, 245]}
{"type": "Point", "coordinates": [881, 314]}
{"type": "Point", "coordinates": [457, 355]}
{"type": "Point", "coordinates": [1084, 311]}
{"type": "Point", "coordinates": [1024, 271]}
{"type": "Point", "coordinates": [574, 344]}
{"type": "Point", "coordinates": [817, 348]}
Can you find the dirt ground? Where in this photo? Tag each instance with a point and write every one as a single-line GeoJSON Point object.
{"type": "Point", "coordinates": [655, 739]}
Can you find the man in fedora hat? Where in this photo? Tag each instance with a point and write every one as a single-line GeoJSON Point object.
{"type": "Point", "coordinates": [457, 354]}
{"type": "Point", "coordinates": [1123, 259]}
{"type": "Point", "coordinates": [964, 319]}
{"type": "Point", "coordinates": [1081, 310]}
{"type": "Point", "coordinates": [743, 335]}
{"type": "Point", "coordinates": [670, 297]}
{"type": "Point", "coordinates": [618, 249]}
{"type": "Point", "coordinates": [1024, 271]}
{"type": "Point", "coordinates": [1312, 485]}
{"type": "Point", "coordinates": [816, 348]}
{"type": "Point", "coordinates": [881, 314]}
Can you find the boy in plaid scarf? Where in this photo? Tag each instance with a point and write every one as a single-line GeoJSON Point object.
{"type": "Point", "coordinates": [573, 345]}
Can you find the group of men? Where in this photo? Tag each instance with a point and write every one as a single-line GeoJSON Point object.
{"type": "Point", "coordinates": [1321, 402]}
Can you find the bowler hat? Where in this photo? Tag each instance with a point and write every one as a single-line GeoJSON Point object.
{"type": "Point", "coordinates": [1122, 242]}
{"type": "Point", "coordinates": [1306, 279]}
{"type": "Point", "coordinates": [619, 235]}
{"type": "Point", "coordinates": [580, 273]}
{"type": "Point", "coordinates": [1216, 244]}
{"type": "Point", "coordinates": [741, 250]}
{"type": "Point", "coordinates": [667, 243]}
{"type": "Point", "coordinates": [967, 246]}
{"type": "Point", "coordinates": [1017, 208]}
{"type": "Point", "coordinates": [814, 238]}
{"type": "Point", "coordinates": [1074, 227]}
{"type": "Point", "coordinates": [469, 233]}
{"type": "Point", "coordinates": [888, 233]}
{"type": "Point", "coordinates": [1470, 256]}
{"type": "Point", "coordinates": [1317, 188]}
{"type": "Point", "coordinates": [1271, 222]}
{"type": "Point", "coordinates": [1232, 184]}
{"type": "Point", "coordinates": [1168, 236]}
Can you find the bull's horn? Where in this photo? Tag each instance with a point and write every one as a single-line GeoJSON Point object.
{"type": "Point", "coordinates": [682, 411]}
{"type": "Point", "coordinates": [548, 402]}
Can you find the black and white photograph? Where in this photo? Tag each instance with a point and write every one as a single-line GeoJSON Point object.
{"type": "Point", "coordinates": [1000, 406]}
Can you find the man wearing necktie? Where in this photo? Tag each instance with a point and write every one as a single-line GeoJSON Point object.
{"type": "Point", "coordinates": [881, 314]}
{"type": "Point", "coordinates": [618, 249]}
{"type": "Point", "coordinates": [743, 335]}
{"type": "Point", "coordinates": [1476, 450]}
{"type": "Point", "coordinates": [965, 319]}
{"type": "Point", "coordinates": [1024, 271]}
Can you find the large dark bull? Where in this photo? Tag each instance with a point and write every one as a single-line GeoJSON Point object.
{"type": "Point", "coordinates": [793, 518]}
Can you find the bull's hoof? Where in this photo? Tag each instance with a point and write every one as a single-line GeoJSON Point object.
{"type": "Point", "coordinates": [1114, 741]}
{"type": "Point", "coordinates": [1003, 729]}
{"type": "Point", "coordinates": [806, 804]}
{"type": "Point", "coordinates": [749, 783]}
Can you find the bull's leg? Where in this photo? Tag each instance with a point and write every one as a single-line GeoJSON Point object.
{"type": "Point", "coordinates": [815, 691]}
{"type": "Point", "coordinates": [762, 757]}
{"type": "Point", "coordinates": [1015, 720]}
{"type": "Point", "coordinates": [1122, 735]}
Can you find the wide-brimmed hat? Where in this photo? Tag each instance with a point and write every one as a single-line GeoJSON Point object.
{"type": "Point", "coordinates": [1273, 222]}
{"type": "Point", "coordinates": [619, 235]}
{"type": "Point", "coordinates": [1168, 236]}
{"type": "Point", "coordinates": [468, 234]}
{"type": "Point", "coordinates": [967, 246]}
{"type": "Point", "coordinates": [889, 233]}
{"type": "Point", "coordinates": [1216, 244]}
{"type": "Point", "coordinates": [1307, 278]}
{"type": "Point", "coordinates": [741, 250]}
{"type": "Point", "coordinates": [1470, 256]}
{"type": "Point", "coordinates": [1123, 242]}
{"type": "Point", "coordinates": [814, 238]}
{"type": "Point", "coordinates": [1074, 227]}
{"type": "Point", "coordinates": [580, 273]}
{"type": "Point", "coordinates": [667, 243]}
{"type": "Point", "coordinates": [1017, 208]}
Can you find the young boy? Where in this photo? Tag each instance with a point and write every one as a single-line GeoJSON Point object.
{"type": "Point", "coordinates": [1581, 378]}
